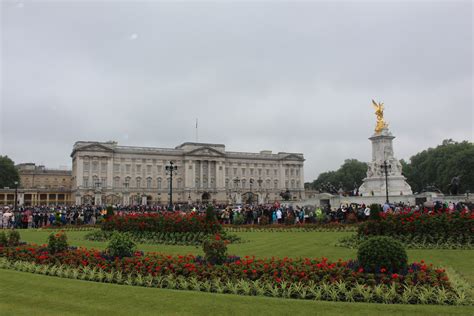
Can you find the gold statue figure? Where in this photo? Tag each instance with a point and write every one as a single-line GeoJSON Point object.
{"type": "Point", "coordinates": [381, 124]}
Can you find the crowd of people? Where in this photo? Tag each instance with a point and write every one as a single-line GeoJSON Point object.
{"type": "Point", "coordinates": [43, 216]}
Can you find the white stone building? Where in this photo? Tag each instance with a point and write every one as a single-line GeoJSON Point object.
{"type": "Point", "coordinates": [106, 173]}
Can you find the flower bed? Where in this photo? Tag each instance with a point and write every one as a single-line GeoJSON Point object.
{"type": "Point", "coordinates": [280, 277]}
{"type": "Point", "coordinates": [162, 222]}
{"type": "Point", "coordinates": [420, 229]}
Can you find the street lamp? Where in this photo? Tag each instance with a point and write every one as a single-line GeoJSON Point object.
{"type": "Point", "coordinates": [170, 169]}
{"type": "Point", "coordinates": [259, 181]}
{"type": "Point", "coordinates": [384, 169]}
{"type": "Point", "coordinates": [16, 194]}
{"type": "Point", "coordinates": [236, 182]}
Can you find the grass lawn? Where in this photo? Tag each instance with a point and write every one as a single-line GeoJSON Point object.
{"type": "Point", "coordinates": [31, 294]}
{"type": "Point", "coordinates": [24, 293]}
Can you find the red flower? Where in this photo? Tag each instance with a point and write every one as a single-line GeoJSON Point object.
{"type": "Point", "coordinates": [394, 276]}
{"type": "Point", "coordinates": [383, 270]}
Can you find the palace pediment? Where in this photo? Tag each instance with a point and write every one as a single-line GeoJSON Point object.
{"type": "Point", "coordinates": [94, 148]}
{"type": "Point", "coordinates": [205, 152]}
{"type": "Point", "coordinates": [293, 157]}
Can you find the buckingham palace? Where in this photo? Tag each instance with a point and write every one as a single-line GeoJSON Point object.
{"type": "Point", "coordinates": [107, 173]}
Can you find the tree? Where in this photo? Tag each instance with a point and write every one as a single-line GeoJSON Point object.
{"type": "Point", "coordinates": [8, 172]}
{"type": "Point", "coordinates": [347, 177]}
{"type": "Point", "coordinates": [437, 166]}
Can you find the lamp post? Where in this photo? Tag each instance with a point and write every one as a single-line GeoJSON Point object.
{"type": "Point", "coordinates": [16, 195]}
{"type": "Point", "coordinates": [170, 169]}
{"type": "Point", "coordinates": [251, 191]}
{"type": "Point", "coordinates": [384, 169]}
{"type": "Point", "coordinates": [259, 181]}
{"type": "Point", "coordinates": [236, 181]}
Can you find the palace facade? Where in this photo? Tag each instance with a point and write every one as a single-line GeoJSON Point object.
{"type": "Point", "coordinates": [39, 186]}
{"type": "Point", "coordinates": [105, 172]}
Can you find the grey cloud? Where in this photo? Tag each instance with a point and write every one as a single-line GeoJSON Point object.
{"type": "Point", "coordinates": [280, 76]}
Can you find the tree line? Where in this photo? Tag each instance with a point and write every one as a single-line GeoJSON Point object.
{"type": "Point", "coordinates": [431, 169]}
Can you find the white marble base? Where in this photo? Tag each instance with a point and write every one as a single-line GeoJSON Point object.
{"type": "Point", "coordinates": [375, 186]}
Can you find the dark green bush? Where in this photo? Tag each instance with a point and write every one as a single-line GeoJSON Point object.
{"type": "Point", "coordinates": [375, 210]}
{"type": "Point", "coordinates": [3, 239]}
{"type": "Point", "coordinates": [13, 238]}
{"type": "Point", "coordinates": [215, 249]}
{"type": "Point", "coordinates": [264, 220]}
{"type": "Point", "coordinates": [211, 215]}
{"type": "Point", "coordinates": [382, 252]}
{"type": "Point", "coordinates": [110, 211]}
{"type": "Point", "coordinates": [121, 245]}
{"type": "Point", "coordinates": [57, 242]}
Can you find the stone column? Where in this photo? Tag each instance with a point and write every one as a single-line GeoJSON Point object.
{"type": "Point", "coordinates": [80, 171]}
{"type": "Point", "coordinates": [110, 173]}
{"type": "Point", "coordinates": [200, 174]}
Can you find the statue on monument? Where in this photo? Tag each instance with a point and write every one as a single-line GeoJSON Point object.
{"type": "Point", "coordinates": [381, 124]}
{"type": "Point", "coordinates": [454, 185]}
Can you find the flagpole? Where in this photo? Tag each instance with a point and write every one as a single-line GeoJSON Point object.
{"type": "Point", "coordinates": [197, 135]}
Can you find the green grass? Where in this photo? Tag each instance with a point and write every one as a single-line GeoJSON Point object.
{"type": "Point", "coordinates": [23, 293]}
{"type": "Point", "coordinates": [30, 294]}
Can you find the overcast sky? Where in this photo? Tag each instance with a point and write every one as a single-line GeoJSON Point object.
{"type": "Point", "coordinates": [282, 76]}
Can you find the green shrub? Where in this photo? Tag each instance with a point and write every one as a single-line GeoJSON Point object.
{"type": "Point", "coordinates": [382, 252]}
{"type": "Point", "coordinates": [289, 220]}
{"type": "Point", "coordinates": [375, 210]}
{"type": "Point", "coordinates": [121, 245]}
{"type": "Point", "coordinates": [13, 238]}
{"type": "Point", "coordinates": [3, 239]}
{"type": "Point", "coordinates": [264, 220]}
{"type": "Point", "coordinates": [57, 242]}
{"type": "Point", "coordinates": [215, 249]}
{"type": "Point", "coordinates": [238, 219]}
{"type": "Point", "coordinates": [211, 214]}
{"type": "Point", "coordinates": [110, 211]}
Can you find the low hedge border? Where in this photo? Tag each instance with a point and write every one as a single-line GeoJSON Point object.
{"type": "Point", "coordinates": [68, 228]}
{"type": "Point", "coordinates": [386, 294]}
{"type": "Point", "coordinates": [354, 241]}
{"type": "Point", "coordinates": [162, 238]}
{"type": "Point", "coordinates": [291, 228]}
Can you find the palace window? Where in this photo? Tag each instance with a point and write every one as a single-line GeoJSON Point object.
{"type": "Point", "coordinates": [139, 168]}
{"type": "Point", "coordinates": [127, 168]}
{"type": "Point", "coordinates": [148, 169]}
{"type": "Point", "coordinates": [116, 182]}
{"type": "Point", "coordinates": [95, 166]}
{"type": "Point", "coordinates": [116, 167]}
{"type": "Point", "coordinates": [85, 182]}
{"type": "Point", "coordinates": [139, 182]}
{"type": "Point", "coordinates": [86, 166]}
{"type": "Point", "coordinates": [148, 183]}
{"type": "Point", "coordinates": [159, 183]}
{"type": "Point", "coordinates": [103, 167]}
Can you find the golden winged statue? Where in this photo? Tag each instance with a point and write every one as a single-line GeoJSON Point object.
{"type": "Point", "coordinates": [381, 124]}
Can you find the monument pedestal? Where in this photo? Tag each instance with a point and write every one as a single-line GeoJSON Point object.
{"type": "Point", "coordinates": [375, 183]}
